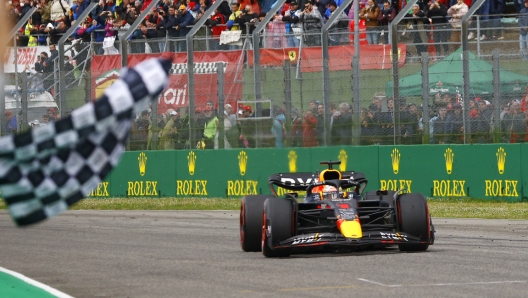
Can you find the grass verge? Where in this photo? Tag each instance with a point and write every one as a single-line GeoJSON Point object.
{"type": "Point", "coordinates": [453, 208]}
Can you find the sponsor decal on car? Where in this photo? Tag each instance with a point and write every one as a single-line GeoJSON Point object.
{"type": "Point", "coordinates": [308, 239]}
{"type": "Point", "coordinates": [393, 236]}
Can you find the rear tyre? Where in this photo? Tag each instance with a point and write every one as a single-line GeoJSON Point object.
{"type": "Point", "coordinates": [251, 208]}
{"type": "Point", "coordinates": [277, 226]}
{"type": "Point", "coordinates": [414, 220]}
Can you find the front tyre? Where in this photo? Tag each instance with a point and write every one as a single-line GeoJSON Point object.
{"type": "Point", "coordinates": [251, 208]}
{"type": "Point", "coordinates": [277, 226]}
{"type": "Point", "coordinates": [414, 219]}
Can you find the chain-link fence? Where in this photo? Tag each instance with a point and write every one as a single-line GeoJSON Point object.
{"type": "Point", "coordinates": [289, 95]}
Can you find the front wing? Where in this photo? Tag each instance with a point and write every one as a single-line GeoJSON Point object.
{"type": "Point", "coordinates": [336, 239]}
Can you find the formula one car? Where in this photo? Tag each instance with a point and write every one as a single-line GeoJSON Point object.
{"type": "Point", "coordinates": [335, 213]}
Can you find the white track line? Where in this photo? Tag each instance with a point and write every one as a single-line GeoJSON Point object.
{"type": "Point", "coordinates": [447, 284]}
{"type": "Point", "coordinates": [35, 283]}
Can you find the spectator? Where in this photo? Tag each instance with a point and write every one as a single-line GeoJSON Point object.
{"type": "Point", "coordinates": [483, 122]}
{"type": "Point", "coordinates": [418, 32]}
{"type": "Point", "coordinates": [338, 31]}
{"type": "Point", "coordinates": [456, 12]}
{"type": "Point", "coordinates": [313, 106]}
{"type": "Point", "coordinates": [168, 23]}
{"type": "Point", "coordinates": [309, 133]}
{"type": "Point", "coordinates": [247, 20]}
{"type": "Point", "coordinates": [506, 121]}
{"type": "Point", "coordinates": [297, 129]}
{"type": "Point", "coordinates": [312, 23]}
{"type": "Point", "coordinates": [30, 31]}
{"type": "Point", "coordinates": [210, 129]}
{"type": "Point", "coordinates": [518, 124]}
{"type": "Point", "coordinates": [169, 131]}
{"type": "Point", "coordinates": [230, 128]}
{"type": "Point", "coordinates": [441, 126]}
{"type": "Point", "coordinates": [52, 114]}
{"type": "Point", "coordinates": [293, 28]}
{"type": "Point", "coordinates": [278, 129]}
{"type": "Point", "coordinates": [11, 123]}
{"type": "Point", "coordinates": [437, 12]}
{"type": "Point", "coordinates": [59, 11]}
{"type": "Point", "coordinates": [342, 126]}
{"type": "Point", "coordinates": [523, 36]}
{"type": "Point", "coordinates": [320, 124]}
{"type": "Point", "coordinates": [139, 132]}
{"type": "Point", "coordinates": [185, 20]}
{"type": "Point", "coordinates": [387, 14]}
{"type": "Point", "coordinates": [68, 68]}
{"type": "Point", "coordinates": [370, 14]}
{"type": "Point", "coordinates": [217, 24]}
{"type": "Point", "coordinates": [56, 32]}
{"type": "Point", "coordinates": [457, 125]}
{"type": "Point", "coordinates": [410, 127]}
{"type": "Point", "coordinates": [99, 35]}
{"type": "Point", "coordinates": [247, 129]}
{"type": "Point", "coordinates": [276, 31]}
{"type": "Point", "coordinates": [45, 10]}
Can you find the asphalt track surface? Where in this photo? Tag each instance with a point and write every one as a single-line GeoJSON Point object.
{"type": "Point", "coordinates": [197, 254]}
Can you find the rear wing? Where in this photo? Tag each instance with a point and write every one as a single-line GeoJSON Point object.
{"type": "Point", "coordinates": [302, 181]}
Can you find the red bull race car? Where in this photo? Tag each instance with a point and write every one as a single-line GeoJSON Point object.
{"type": "Point", "coordinates": [335, 213]}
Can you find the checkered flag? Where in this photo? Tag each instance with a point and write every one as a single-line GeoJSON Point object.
{"type": "Point", "coordinates": [49, 168]}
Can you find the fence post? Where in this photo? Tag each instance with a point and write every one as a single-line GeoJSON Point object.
{"type": "Point", "coordinates": [24, 101]}
{"type": "Point", "coordinates": [465, 66]}
{"type": "Point", "coordinates": [425, 98]}
{"type": "Point", "coordinates": [326, 70]}
{"type": "Point", "coordinates": [395, 69]}
{"type": "Point", "coordinates": [190, 67]}
{"type": "Point", "coordinates": [496, 97]}
{"type": "Point", "coordinates": [221, 114]}
{"type": "Point", "coordinates": [356, 102]}
{"type": "Point", "coordinates": [287, 100]}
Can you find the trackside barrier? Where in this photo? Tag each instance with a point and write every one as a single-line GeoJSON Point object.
{"type": "Point", "coordinates": [491, 171]}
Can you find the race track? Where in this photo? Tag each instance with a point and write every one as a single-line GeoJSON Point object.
{"type": "Point", "coordinates": [197, 254]}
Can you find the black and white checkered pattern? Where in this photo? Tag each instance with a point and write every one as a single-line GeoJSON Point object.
{"type": "Point", "coordinates": [46, 170]}
{"type": "Point", "coordinates": [199, 68]}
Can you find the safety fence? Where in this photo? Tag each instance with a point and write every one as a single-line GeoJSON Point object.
{"type": "Point", "coordinates": [492, 171]}
{"type": "Point", "coordinates": [315, 95]}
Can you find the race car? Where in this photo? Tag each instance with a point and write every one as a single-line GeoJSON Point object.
{"type": "Point", "coordinates": [335, 213]}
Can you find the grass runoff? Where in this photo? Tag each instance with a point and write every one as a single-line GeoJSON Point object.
{"type": "Point", "coordinates": [450, 208]}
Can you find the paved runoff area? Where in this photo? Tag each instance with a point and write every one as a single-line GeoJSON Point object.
{"type": "Point", "coordinates": [197, 254]}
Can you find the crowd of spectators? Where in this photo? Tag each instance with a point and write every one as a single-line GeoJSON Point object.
{"type": "Point", "coordinates": [174, 18]}
{"type": "Point", "coordinates": [306, 129]}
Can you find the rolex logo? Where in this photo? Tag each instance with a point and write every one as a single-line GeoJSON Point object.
{"type": "Point", "coordinates": [242, 162]}
{"type": "Point", "coordinates": [501, 160]}
{"type": "Point", "coordinates": [343, 157]}
{"type": "Point", "coordinates": [395, 155]}
{"type": "Point", "coordinates": [292, 161]}
{"type": "Point", "coordinates": [191, 162]}
{"type": "Point", "coordinates": [142, 159]}
{"type": "Point", "coordinates": [449, 158]}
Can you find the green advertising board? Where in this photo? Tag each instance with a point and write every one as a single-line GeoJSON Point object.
{"type": "Point", "coordinates": [492, 171]}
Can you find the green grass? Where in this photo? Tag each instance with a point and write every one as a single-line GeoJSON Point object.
{"type": "Point", "coordinates": [452, 208]}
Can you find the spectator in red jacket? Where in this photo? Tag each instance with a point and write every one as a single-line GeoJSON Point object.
{"type": "Point", "coordinates": [309, 133]}
{"type": "Point", "coordinates": [217, 22]}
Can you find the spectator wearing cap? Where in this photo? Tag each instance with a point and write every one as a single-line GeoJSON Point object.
{"type": "Point", "coordinates": [216, 22]}
{"type": "Point", "coordinates": [170, 134]}
{"type": "Point", "coordinates": [313, 106]}
{"type": "Point", "coordinates": [523, 25]}
{"type": "Point", "coordinates": [338, 31]}
{"type": "Point", "coordinates": [312, 22]}
{"type": "Point", "coordinates": [183, 26]}
{"type": "Point", "coordinates": [35, 123]}
{"type": "Point", "coordinates": [11, 123]}
{"type": "Point", "coordinates": [293, 28]}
